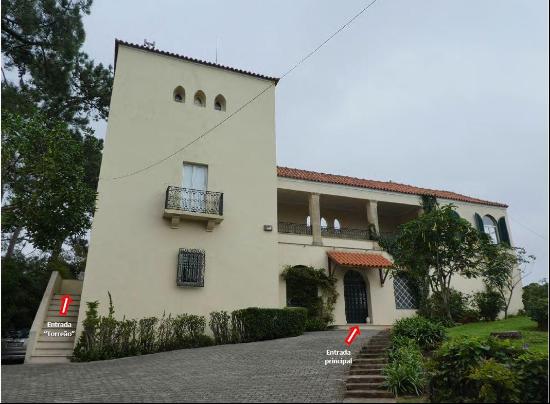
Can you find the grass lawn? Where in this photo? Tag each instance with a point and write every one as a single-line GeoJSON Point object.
{"type": "Point", "coordinates": [536, 340]}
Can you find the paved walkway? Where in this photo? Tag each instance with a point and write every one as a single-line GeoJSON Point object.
{"type": "Point", "coordinates": [283, 370]}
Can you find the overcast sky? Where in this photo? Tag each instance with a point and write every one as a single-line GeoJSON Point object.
{"type": "Point", "coordinates": [441, 94]}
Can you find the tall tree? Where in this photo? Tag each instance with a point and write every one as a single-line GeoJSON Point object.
{"type": "Point", "coordinates": [438, 246]}
{"type": "Point", "coordinates": [41, 41]}
{"type": "Point", "coordinates": [504, 270]}
{"type": "Point", "coordinates": [45, 70]}
{"type": "Point", "coordinates": [44, 168]}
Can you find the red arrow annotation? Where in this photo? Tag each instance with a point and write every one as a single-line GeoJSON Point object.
{"type": "Point", "coordinates": [354, 332]}
{"type": "Point", "coordinates": [65, 302]}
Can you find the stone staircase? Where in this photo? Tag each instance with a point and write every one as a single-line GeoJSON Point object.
{"type": "Point", "coordinates": [57, 349]}
{"type": "Point", "coordinates": [50, 342]}
{"type": "Point", "coordinates": [366, 380]}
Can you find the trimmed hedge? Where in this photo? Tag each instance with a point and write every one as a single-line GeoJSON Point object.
{"type": "Point", "coordinates": [108, 338]}
{"type": "Point", "coordinates": [259, 324]}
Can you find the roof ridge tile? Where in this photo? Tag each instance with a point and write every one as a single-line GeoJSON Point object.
{"type": "Point", "coordinates": [390, 186]}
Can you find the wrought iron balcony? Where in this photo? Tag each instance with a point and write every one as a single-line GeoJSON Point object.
{"type": "Point", "coordinates": [193, 204]}
{"type": "Point", "coordinates": [345, 233]}
{"type": "Point", "coordinates": [294, 228]}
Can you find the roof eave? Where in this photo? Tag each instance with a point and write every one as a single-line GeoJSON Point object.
{"type": "Point", "coordinates": [119, 42]}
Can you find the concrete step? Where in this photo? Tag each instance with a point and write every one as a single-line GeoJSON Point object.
{"type": "Point", "coordinates": [371, 361]}
{"type": "Point", "coordinates": [368, 365]}
{"type": "Point", "coordinates": [367, 355]}
{"type": "Point", "coordinates": [55, 345]}
{"type": "Point", "coordinates": [74, 296]}
{"type": "Point", "coordinates": [55, 312]}
{"type": "Point", "coordinates": [350, 400]}
{"type": "Point", "coordinates": [53, 352]}
{"type": "Point", "coordinates": [369, 394]}
{"type": "Point", "coordinates": [364, 371]}
{"type": "Point", "coordinates": [61, 319]}
{"type": "Point", "coordinates": [44, 338]}
{"type": "Point", "coordinates": [365, 386]}
{"type": "Point", "coordinates": [365, 379]}
{"type": "Point", "coordinates": [45, 327]}
{"type": "Point", "coordinates": [50, 359]}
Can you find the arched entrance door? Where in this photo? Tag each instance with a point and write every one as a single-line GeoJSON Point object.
{"type": "Point", "coordinates": [355, 295]}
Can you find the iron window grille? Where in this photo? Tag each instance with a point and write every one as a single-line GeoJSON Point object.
{"type": "Point", "coordinates": [191, 266]}
{"type": "Point", "coordinates": [404, 298]}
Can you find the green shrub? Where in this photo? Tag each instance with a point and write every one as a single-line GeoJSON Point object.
{"type": "Point", "coordinates": [316, 324]}
{"type": "Point", "coordinates": [532, 373]}
{"type": "Point", "coordinates": [312, 289]}
{"type": "Point", "coordinates": [489, 304]}
{"type": "Point", "coordinates": [428, 334]}
{"type": "Point", "coordinates": [470, 316]}
{"type": "Point", "coordinates": [433, 308]}
{"type": "Point", "coordinates": [258, 324]}
{"type": "Point", "coordinates": [459, 371]}
{"type": "Point", "coordinates": [108, 338]}
{"type": "Point", "coordinates": [405, 374]}
{"type": "Point", "coordinates": [220, 325]}
{"type": "Point", "coordinates": [496, 382]}
{"type": "Point", "coordinates": [87, 347]}
{"type": "Point", "coordinates": [535, 303]}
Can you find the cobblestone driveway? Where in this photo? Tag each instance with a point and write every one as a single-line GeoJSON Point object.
{"type": "Point", "coordinates": [284, 370]}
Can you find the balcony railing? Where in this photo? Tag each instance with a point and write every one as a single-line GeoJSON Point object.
{"type": "Point", "coordinates": [343, 232]}
{"type": "Point", "coordinates": [346, 233]}
{"type": "Point", "coordinates": [194, 200]}
{"type": "Point", "coordinates": [294, 228]}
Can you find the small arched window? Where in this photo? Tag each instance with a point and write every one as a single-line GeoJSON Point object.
{"type": "Point", "coordinates": [336, 224]}
{"type": "Point", "coordinates": [219, 103]}
{"type": "Point", "coordinates": [200, 99]}
{"type": "Point", "coordinates": [490, 227]}
{"type": "Point", "coordinates": [179, 94]}
{"type": "Point", "coordinates": [323, 223]}
{"type": "Point", "coordinates": [308, 221]}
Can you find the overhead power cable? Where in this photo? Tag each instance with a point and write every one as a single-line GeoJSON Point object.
{"type": "Point", "coordinates": [247, 103]}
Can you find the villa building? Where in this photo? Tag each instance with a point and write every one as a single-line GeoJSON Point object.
{"type": "Point", "coordinates": [192, 224]}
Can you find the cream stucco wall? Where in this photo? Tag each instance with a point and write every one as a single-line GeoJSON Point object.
{"type": "Point", "coordinates": [298, 250]}
{"type": "Point", "coordinates": [133, 251]}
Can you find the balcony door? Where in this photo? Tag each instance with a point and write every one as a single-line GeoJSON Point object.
{"type": "Point", "coordinates": [195, 180]}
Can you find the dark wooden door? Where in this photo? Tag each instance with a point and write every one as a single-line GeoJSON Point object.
{"type": "Point", "coordinates": [355, 295]}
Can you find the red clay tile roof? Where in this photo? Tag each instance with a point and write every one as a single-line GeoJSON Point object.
{"type": "Point", "coordinates": [350, 259]}
{"type": "Point", "coordinates": [294, 173]}
{"type": "Point", "coordinates": [189, 59]}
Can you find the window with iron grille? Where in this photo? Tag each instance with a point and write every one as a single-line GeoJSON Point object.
{"type": "Point", "coordinates": [404, 298]}
{"type": "Point", "coordinates": [191, 265]}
